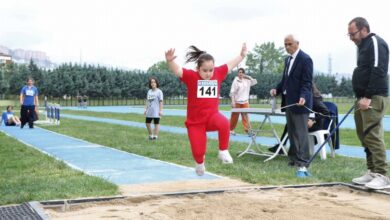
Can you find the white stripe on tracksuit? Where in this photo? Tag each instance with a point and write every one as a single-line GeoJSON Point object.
{"type": "Point", "coordinates": [375, 41]}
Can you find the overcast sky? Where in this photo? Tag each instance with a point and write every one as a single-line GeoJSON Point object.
{"type": "Point", "coordinates": [135, 34]}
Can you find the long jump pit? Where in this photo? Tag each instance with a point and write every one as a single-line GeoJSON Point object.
{"type": "Point", "coordinates": [227, 199]}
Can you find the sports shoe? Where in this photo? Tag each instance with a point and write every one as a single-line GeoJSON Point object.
{"type": "Point", "coordinates": [155, 137]}
{"type": "Point", "coordinates": [366, 178]}
{"type": "Point", "coordinates": [275, 148]}
{"type": "Point", "coordinates": [302, 172]}
{"type": "Point", "coordinates": [200, 169]}
{"type": "Point", "coordinates": [224, 156]}
{"type": "Point", "coordinates": [233, 133]}
{"type": "Point", "coordinates": [379, 182]}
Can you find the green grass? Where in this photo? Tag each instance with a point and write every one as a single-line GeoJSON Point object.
{"type": "Point", "coordinates": [27, 174]}
{"type": "Point", "coordinates": [175, 148]}
{"type": "Point", "coordinates": [343, 108]}
{"type": "Point", "coordinates": [347, 136]}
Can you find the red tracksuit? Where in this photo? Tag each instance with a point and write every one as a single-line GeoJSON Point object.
{"type": "Point", "coordinates": [202, 110]}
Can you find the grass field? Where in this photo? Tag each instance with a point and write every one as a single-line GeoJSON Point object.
{"type": "Point", "coordinates": [348, 136]}
{"type": "Point", "coordinates": [344, 104]}
{"type": "Point", "coordinates": [27, 174]}
{"type": "Point", "coordinates": [175, 148]}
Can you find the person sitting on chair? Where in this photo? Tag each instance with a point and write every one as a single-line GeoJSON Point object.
{"type": "Point", "coordinates": [313, 124]}
{"type": "Point", "coordinates": [9, 118]}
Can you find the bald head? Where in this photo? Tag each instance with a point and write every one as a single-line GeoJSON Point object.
{"type": "Point", "coordinates": [291, 44]}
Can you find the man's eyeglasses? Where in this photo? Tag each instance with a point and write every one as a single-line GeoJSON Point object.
{"type": "Point", "coordinates": [353, 34]}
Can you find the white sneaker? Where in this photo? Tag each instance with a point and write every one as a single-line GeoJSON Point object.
{"type": "Point", "coordinates": [200, 169]}
{"type": "Point", "coordinates": [366, 178]}
{"type": "Point", "coordinates": [379, 182]}
{"type": "Point", "coordinates": [302, 169]}
{"type": "Point", "coordinates": [224, 156]}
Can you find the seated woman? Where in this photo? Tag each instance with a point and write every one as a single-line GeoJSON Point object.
{"type": "Point", "coordinates": [9, 118]}
{"type": "Point", "coordinates": [313, 124]}
{"type": "Point", "coordinates": [319, 107]}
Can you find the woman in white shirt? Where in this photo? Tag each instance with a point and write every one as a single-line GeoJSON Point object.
{"type": "Point", "coordinates": [239, 94]}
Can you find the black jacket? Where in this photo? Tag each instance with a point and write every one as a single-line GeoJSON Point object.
{"type": "Point", "coordinates": [320, 107]}
{"type": "Point", "coordinates": [370, 76]}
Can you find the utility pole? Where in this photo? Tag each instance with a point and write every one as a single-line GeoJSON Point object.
{"type": "Point", "coordinates": [81, 57]}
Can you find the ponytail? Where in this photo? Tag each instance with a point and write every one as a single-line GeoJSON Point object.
{"type": "Point", "coordinates": [198, 56]}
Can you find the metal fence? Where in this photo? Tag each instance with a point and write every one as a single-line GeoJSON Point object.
{"type": "Point", "coordinates": [167, 101]}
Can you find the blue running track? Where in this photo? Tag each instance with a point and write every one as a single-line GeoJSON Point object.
{"type": "Point", "coordinates": [116, 166]}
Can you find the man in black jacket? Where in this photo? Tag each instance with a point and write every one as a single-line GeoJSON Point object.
{"type": "Point", "coordinates": [370, 85]}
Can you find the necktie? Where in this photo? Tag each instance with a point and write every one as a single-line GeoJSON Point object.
{"type": "Point", "coordinates": [287, 67]}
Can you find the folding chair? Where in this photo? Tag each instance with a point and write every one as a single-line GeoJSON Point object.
{"type": "Point", "coordinates": [321, 135]}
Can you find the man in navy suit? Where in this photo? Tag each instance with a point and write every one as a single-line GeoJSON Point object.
{"type": "Point", "coordinates": [296, 90]}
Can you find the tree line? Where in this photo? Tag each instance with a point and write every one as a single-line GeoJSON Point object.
{"type": "Point", "coordinates": [264, 62]}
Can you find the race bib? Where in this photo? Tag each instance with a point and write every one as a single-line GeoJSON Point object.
{"type": "Point", "coordinates": [30, 92]}
{"type": "Point", "coordinates": [207, 89]}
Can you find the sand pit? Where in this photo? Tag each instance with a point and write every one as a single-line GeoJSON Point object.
{"type": "Point", "coordinates": [337, 202]}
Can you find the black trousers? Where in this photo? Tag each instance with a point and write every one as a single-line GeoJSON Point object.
{"type": "Point", "coordinates": [299, 138]}
{"type": "Point", "coordinates": [27, 115]}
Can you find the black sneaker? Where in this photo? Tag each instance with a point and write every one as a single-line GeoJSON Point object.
{"type": "Point", "coordinates": [274, 148]}
{"type": "Point", "coordinates": [291, 163]}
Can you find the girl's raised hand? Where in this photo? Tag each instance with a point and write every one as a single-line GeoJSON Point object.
{"type": "Point", "coordinates": [244, 50]}
{"type": "Point", "coordinates": [170, 55]}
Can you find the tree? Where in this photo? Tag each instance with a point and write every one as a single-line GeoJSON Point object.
{"type": "Point", "coordinates": [265, 58]}
{"type": "Point", "coordinates": [325, 83]}
{"type": "Point", "coordinates": [344, 88]}
{"type": "Point", "coordinates": [3, 82]}
{"type": "Point", "coordinates": [35, 73]}
{"type": "Point", "coordinates": [18, 79]}
{"type": "Point", "coordinates": [159, 67]}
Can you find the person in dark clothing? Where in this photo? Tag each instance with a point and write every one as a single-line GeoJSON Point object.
{"type": "Point", "coordinates": [313, 124]}
{"type": "Point", "coordinates": [29, 104]}
{"type": "Point", "coordinates": [317, 123]}
{"type": "Point", "coordinates": [295, 89]}
{"type": "Point", "coordinates": [370, 84]}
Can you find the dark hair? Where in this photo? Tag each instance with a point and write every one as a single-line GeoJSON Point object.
{"type": "Point", "coordinates": [150, 82]}
{"type": "Point", "coordinates": [242, 69]}
{"type": "Point", "coordinates": [9, 107]}
{"type": "Point", "coordinates": [316, 91]}
{"type": "Point", "coordinates": [360, 23]}
{"type": "Point", "coordinates": [198, 56]}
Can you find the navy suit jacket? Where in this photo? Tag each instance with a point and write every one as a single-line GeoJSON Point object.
{"type": "Point", "coordinates": [298, 83]}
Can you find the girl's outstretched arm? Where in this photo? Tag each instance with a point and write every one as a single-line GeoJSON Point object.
{"type": "Point", "coordinates": [173, 66]}
{"type": "Point", "coordinates": [233, 63]}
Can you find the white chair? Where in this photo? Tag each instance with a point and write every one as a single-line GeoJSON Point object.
{"type": "Point", "coordinates": [320, 136]}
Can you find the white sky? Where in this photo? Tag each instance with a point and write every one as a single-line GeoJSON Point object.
{"type": "Point", "coordinates": [135, 34]}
